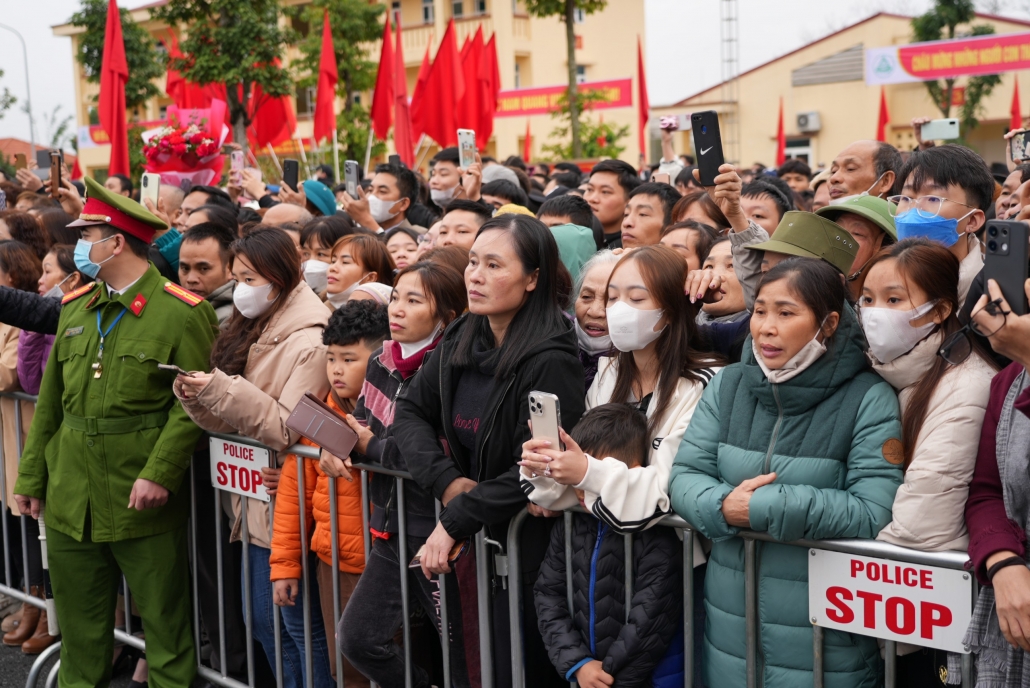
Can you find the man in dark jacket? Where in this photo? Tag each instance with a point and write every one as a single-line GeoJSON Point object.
{"type": "Point", "coordinates": [599, 641]}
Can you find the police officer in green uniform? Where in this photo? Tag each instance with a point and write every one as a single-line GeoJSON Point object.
{"type": "Point", "coordinates": [109, 448]}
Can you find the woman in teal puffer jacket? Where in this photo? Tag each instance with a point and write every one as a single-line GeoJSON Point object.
{"type": "Point", "coordinates": [798, 440]}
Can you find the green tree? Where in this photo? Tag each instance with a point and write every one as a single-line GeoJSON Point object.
{"type": "Point", "coordinates": [141, 54]}
{"type": "Point", "coordinates": [354, 24]}
{"type": "Point", "coordinates": [566, 11]}
{"type": "Point", "coordinates": [235, 43]}
{"type": "Point", "coordinates": [940, 23]}
{"type": "Point", "coordinates": [57, 128]}
{"type": "Point", "coordinates": [600, 140]}
{"type": "Point", "coordinates": [6, 99]}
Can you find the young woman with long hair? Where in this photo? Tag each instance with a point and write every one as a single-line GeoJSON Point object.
{"type": "Point", "coordinates": [800, 440]}
{"type": "Point", "coordinates": [267, 357]}
{"type": "Point", "coordinates": [473, 391]}
{"type": "Point", "coordinates": [426, 299]}
{"type": "Point", "coordinates": [356, 259]}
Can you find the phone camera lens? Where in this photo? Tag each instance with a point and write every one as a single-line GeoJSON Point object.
{"type": "Point", "coordinates": [704, 128]}
{"type": "Point", "coordinates": [993, 231]}
{"type": "Point", "coordinates": [992, 245]}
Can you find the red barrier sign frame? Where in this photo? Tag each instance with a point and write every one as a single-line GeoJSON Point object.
{"type": "Point", "coordinates": [927, 606]}
{"type": "Point", "coordinates": [236, 468]}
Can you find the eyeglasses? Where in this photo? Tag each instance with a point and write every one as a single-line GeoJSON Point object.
{"type": "Point", "coordinates": [957, 347]}
{"type": "Point", "coordinates": [927, 206]}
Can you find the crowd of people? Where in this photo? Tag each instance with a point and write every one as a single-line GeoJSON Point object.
{"type": "Point", "coordinates": [808, 354]}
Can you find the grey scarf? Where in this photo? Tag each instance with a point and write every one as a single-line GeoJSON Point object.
{"type": "Point", "coordinates": [1000, 665]}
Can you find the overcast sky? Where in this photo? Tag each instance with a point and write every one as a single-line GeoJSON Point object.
{"type": "Point", "coordinates": [682, 44]}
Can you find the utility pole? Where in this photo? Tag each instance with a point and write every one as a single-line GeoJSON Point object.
{"type": "Point", "coordinates": [28, 96]}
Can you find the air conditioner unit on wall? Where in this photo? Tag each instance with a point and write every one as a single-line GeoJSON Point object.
{"type": "Point", "coordinates": [808, 122]}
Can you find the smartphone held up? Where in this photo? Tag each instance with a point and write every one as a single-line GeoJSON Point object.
{"type": "Point", "coordinates": [707, 145]}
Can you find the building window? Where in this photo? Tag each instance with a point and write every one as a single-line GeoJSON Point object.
{"type": "Point", "coordinates": [480, 6]}
{"type": "Point", "coordinates": [395, 11]}
{"type": "Point", "coordinates": [428, 15]}
{"type": "Point", "coordinates": [518, 75]}
{"type": "Point", "coordinates": [581, 74]}
{"type": "Point", "coordinates": [306, 101]}
{"type": "Point", "coordinates": [298, 24]}
{"type": "Point", "coordinates": [458, 8]}
{"type": "Point", "coordinates": [579, 16]}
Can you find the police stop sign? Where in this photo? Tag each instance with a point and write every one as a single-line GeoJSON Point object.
{"type": "Point", "coordinates": [922, 605]}
{"type": "Point", "coordinates": [236, 467]}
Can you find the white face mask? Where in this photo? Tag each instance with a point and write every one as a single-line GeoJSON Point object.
{"type": "Point", "coordinates": [592, 345]}
{"type": "Point", "coordinates": [442, 196]}
{"type": "Point", "coordinates": [252, 302]}
{"type": "Point", "coordinates": [632, 329]}
{"type": "Point", "coordinates": [890, 333]}
{"type": "Point", "coordinates": [55, 292]}
{"type": "Point", "coordinates": [409, 349]}
{"type": "Point", "coordinates": [380, 209]}
{"type": "Point", "coordinates": [339, 299]}
{"type": "Point", "coordinates": [316, 274]}
{"type": "Point", "coordinates": [845, 199]}
{"type": "Point", "coordinates": [797, 364]}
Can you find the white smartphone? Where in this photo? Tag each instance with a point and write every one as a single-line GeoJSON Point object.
{"type": "Point", "coordinates": [466, 148]}
{"type": "Point", "coordinates": [940, 130]}
{"type": "Point", "coordinates": [545, 414]}
{"type": "Point", "coordinates": [236, 168]}
{"type": "Point", "coordinates": [150, 187]}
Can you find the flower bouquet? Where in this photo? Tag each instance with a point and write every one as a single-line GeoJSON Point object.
{"type": "Point", "coordinates": [189, 147]}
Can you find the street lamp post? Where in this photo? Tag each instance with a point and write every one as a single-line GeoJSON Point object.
{"type": "Point", "coordinates": [28, 96]}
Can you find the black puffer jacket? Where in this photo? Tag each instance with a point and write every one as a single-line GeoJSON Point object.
{"type": "Point", "coordinates": [28, 311]}
{"type": "Point", "coordinates": [598, 629]}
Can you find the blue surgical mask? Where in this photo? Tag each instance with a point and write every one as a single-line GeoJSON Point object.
{"type": "Point", "coordinates": [82, 259]}
{"type": "Point", "coordinates": [936, 228]}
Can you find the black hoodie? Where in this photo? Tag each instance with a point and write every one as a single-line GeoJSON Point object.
{"type": "Point", "coordinates": [424, 416]}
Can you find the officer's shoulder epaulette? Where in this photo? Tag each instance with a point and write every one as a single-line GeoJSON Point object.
{"type": "Point", "coordinates": [72, 295]}
{"type": "Point", "coordinates": [184, 295]}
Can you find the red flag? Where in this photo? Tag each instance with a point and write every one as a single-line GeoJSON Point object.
{"type": "Point", "coordinates": [273, 120]}
{"type": "Point", "coordinates": [469, 106]}
{"type": "Point", "coordinates": [114, 72]}
{"type": "Point", "coordinates": [490, 85]}
{"type": "Point", "coordinates": [643, 105]}
{"type": "Point", "coordinates": [76, 170]}
{"type": "Point", "coordinates": [325, 110]}
{"type": "Point", "coordinates": [1016, 111]}
{"type": "Point", "coordinates": [527, 145]}
{"type": "Point", "coordinates": [444, 89]}
{"type": "Point", "coordinates": [602, 139]}
{"type": "Point", "coordinates": [885, 118]}
{"type": "Point", "coordinates": [781, 139]}
{"type": "Point", "coordinates": [402, 134]}
{"type": "Point", "coordinates": [383, 96]}
{"type": "Point", "coordinates": [420, 88]}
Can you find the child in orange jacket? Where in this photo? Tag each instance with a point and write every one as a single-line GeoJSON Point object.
{"type": "Point", "coordinates": [354, 332]}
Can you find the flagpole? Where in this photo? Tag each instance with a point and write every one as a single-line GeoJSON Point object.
{"type": "Point", "coordinates": [418, 148]}
{"type": "Point", "coordinates": [275, 159]}
{"type": "Point", "coordinates": [303, 157]}
{"type": "Point", "coordinates": [336, 156]}
{"type": "Point", "coordinates": [368, 150]}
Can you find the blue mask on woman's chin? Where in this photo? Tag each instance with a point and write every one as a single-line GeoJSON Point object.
{"type": "Point", "coordinates": [941, 229]}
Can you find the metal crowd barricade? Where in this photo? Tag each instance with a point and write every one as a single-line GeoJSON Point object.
{"type": "Point", "coordinates": [869, 548]}
{"type": "Point", "coordinates": [509, 566]}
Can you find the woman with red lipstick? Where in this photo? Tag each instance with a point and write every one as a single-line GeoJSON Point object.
{"type": "Point", "coordinates": [473, 392]}
{"type": "Point", "coordinates": [427, 298]}
{"type": "Point", "coordinates": [269, 354]}
{"type": "Point", "coordinates": [356, 259]}
{"type": "Point", "coordinates": [800, 440]}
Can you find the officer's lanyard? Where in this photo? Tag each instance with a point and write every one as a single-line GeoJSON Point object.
{"type": "Point", "coordinates": [98, 367]}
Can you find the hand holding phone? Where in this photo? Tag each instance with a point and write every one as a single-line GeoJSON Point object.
{"type": "Point", "coordinates": [174, 368]}
{"type": "Point", "coordinates": [236, 168]}
{"type": "Point", "coordinates": [545, 416]}
{"type": "Point", "coordinates": [1007, 260]}
{"type": "Point", "coordinates": [56, 159]}
{"type": "Point", "coordinates": [669, 123]}
{"type": "Point", "coordinates": [149, 188]}
{"type": "Point", "coordinates": [707, 145]}
{"type": "Point", "coordinates": [350, 178]}
{"type": "Point", "coordinates": [660, 177]}
{"type": "Point", "coordinates": [466, 148]}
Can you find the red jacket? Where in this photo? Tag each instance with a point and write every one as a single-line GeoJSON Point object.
{"type": "Point", "coordinates": [990, 529]}
{"type": "Point", "coordinates": [286, 549]}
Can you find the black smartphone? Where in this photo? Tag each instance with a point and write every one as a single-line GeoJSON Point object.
{"type": "Point", "coordinates": [291, 170]}
{"type": "Point", "coordinates": [396, 160]}
{"type": "Point", "coordinates": [707, 145]}
{"type": "Point", "coordinates": [43, 159]}
{"type": "Point", "coordinates": [350, 177]}
{"type": "Point", "coordinates": [1007, 260]}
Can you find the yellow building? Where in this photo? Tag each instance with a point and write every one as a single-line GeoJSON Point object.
{"type": "Point", "coordinates": [826, 103]}
{"type": "Point", "coordinates": [531, 54]}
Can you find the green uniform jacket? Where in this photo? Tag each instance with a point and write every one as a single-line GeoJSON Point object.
{"type": "Point", "coordinates": [92, 438]}
{"type": "Point", "coordinates": [831, 436]}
